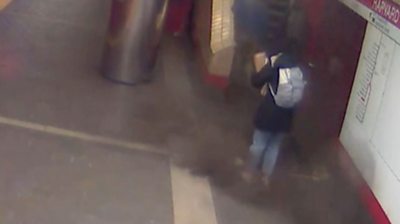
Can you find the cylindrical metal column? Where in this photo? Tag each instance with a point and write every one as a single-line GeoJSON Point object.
{"type": "Point", "coordinates": [134, 35]}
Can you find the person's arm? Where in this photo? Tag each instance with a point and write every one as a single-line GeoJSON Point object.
{"type": "Point", "coordinates": [260, 60]}
{"type": "Point", "coordinates": [259, 79]}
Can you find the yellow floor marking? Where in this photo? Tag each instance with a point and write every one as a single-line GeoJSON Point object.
{"type": "Point", "coordinates": [79, 135]}
{"type": "Point", "coordinates": [192, 198]}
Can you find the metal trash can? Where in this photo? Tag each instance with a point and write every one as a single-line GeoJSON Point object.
{"type": "Point", "coordinates": [133, 39]}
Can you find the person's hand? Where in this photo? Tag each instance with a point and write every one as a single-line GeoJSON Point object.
{"type": "Point", "coordinates": [260, 59]}
{"type": "Point", "coordinates": [264, 90]}
{"type": "Point", "coordinates": [274, 58]}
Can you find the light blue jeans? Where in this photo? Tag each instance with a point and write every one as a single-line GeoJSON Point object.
{"type": "Point", "coordinates": [264, 151]}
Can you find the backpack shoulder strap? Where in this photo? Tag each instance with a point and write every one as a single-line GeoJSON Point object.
{"type": "Point", "coordinates": [283, 78]}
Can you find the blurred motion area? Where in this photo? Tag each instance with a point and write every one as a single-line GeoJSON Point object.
{"type": "Point", "coordinates": [140, 111]}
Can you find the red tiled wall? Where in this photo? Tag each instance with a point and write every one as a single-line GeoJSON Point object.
{"type": "Point", "coordinates": [334, 45]}
{"type": "Point", "coordinates": [178, 15]}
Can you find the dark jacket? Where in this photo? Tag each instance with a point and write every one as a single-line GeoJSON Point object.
{"type": "Point", "coordinates": [270, 117]}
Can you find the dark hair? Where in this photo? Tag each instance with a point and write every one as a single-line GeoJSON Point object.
{"type": "Point", "coordinates": [289, 47]}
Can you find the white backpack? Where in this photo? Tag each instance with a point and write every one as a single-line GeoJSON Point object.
{"type": "Point", "coordinates": [290, 88]}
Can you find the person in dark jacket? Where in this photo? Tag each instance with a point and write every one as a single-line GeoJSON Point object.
{"type": "Point", "coordinates": [271, 122]}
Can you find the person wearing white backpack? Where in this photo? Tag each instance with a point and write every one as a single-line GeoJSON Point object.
{"type": "Point", "coordinates": [281, 84]}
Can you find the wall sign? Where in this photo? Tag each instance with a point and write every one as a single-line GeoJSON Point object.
{"type": "Point", "coordinates": [370, 131]}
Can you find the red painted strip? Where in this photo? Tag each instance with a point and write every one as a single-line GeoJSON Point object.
{"type": "Point", "coordinates": [221, 82]}
{"type": "Point", "coordinates": [373, 206]}
{"type": "Point", "coordinates": [367, 196]}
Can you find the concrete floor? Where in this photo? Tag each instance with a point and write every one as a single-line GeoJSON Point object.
{"type": "Point", "coordinates": [48, 179]}
{"type": "Point", "coordinates": [49, 77]}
